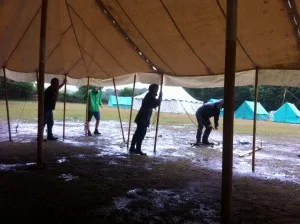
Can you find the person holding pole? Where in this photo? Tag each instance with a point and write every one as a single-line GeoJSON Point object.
{"type": "Point", "coordinates": [51, 96]}
{"type": "Point", "coordinates": [143, 117]}
{"type": "Point", "coordinates": [203, 114]}
{"type": "Point", "coordinates": [95, 102]}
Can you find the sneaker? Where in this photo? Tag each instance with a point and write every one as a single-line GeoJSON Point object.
{"type": "Point", "coordinates": [140, 152]}
{"type": "Point", "coordinates": [89, 133]}
{"type": "Point", "coordinates": [96, 132]}
{"type": "Point", "coordinates": [51, 138]}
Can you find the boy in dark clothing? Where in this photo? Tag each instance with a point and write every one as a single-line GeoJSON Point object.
{"type": "Point", "coordinates": [203, 114]}
{"type": "Point", "coordinates": [51, 95]}
{"type": "Point", "coordinates": [143, 117]}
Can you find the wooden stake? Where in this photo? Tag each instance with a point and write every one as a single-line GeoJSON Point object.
{"type": "Point", "coordinates": [254, 119]}
{"type": "Point", "coordinates": [119, 110]}
{"type": "Point", "coordinates": [132, 97]}
{"type": "Point", "coordinates": [64, 119]}
{"type": "Point", "coordinates": [41, 81]}
{"type": "Point", "coordinates": [87, 107]}
{"type": "Point", "coordinates": [229, 83]}
{"type": "Point", "coordinates": [158, 113]}
{"type": "Point", "coordinates": [7, 106]}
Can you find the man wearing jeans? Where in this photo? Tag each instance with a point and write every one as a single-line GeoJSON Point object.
{"type": "Point", "coordinates": [51, 95]}
{"type": "Point", "coordinates": [95, 101]}
{"type": "Point", "coordinates": [203, 114]}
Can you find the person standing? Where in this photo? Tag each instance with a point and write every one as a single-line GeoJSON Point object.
{"type": "Point", "coordinates": [143, 117]}
{"type": "Point", "coordinates": [51, 96]}
{"type": "Point", "coordinates": [203, 114]}
{"type": "Point", "coordinates": [95, 102]}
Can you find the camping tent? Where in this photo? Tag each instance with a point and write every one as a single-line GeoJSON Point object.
{"type": "Point", "coordinates": [175, 100]}
{"type": "Point", "coordinates": [124, 102]}
{"type": "Point", "coordinates": [246, 111]}
{"type": "Point", "coordinates": [287, 113]}
{"type": "Point", "coordinates": [212, 100]}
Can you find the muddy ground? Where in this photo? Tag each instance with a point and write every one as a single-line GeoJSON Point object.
{"type": "Point", "coordinates": [94, 180]}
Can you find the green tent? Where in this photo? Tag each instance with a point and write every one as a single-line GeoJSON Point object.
{"type": "Point", "coordinates": [287, 113]}
{"type": "Point", "coordinates": [212, 100]}
{"type": "Point", "coordinates": [246, 111]}
{"type": "Point", "coordinates": [124, 102]}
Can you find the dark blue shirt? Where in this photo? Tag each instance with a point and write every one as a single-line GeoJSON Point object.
{"type": "Point", "coordinates": [210, 110]}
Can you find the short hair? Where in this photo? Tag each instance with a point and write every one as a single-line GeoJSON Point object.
{"type": "Point", "coordinates": [152, 87]}
{"type": "Point", "coordinates": [54, 80]}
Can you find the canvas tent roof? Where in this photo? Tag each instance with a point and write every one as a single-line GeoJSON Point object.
{"type": "Point", "coordinates": [172, 36]}
{"type": "Point", "coordinates": [287, 113]}
{"type": "Point", "coordinates": [246, 111]}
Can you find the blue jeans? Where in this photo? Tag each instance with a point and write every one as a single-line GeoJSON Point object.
{"type": "Point", "coordinates": [48, 119]}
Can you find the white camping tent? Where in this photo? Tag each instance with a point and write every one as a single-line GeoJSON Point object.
{"type": "Point", "coordinates": [175, 100]}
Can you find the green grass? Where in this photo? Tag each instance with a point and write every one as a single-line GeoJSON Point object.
{"type": "Point", "coordinates": [76, 111]}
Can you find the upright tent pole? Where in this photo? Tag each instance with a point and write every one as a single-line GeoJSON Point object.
{"type": "Point", "coordinates": [41, 80]}
{"type": "Point", "coordinates": [87, 108]}
{"type": "Point", "coordinates": [119, 109]}
{"type": "Point", "coordinates": [7, 107]}
{"type": "Point", "coordinates": [64, 119]}
{"type": "Point", "coordinates": [254, 120]}
{"type": "Point", "coordinates": [129, 128]}
{"type": "Point", "coordinates": [158, 113]}
{"type": "Point", "coordinates": [229, 83]}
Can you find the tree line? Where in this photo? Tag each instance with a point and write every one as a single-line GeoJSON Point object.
{"type": "Point", "coordinates": [271, 97]}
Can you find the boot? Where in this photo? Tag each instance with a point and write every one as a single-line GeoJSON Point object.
{"type": "Point", "coordinates": [96, 132]}
{"type": "Point", "coordinates": [89, 133]}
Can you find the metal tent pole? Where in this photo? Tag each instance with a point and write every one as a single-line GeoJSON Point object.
{"type": "Point", "coordinates": [64, 118]}
{"type": "Point", "coordinates": [254, 120]}
{"type": "Point", "coordinates": [158, 113]}
{"type": "Point", "coordinates": [229, 83]}
{"type": "Point", "coordinates": [41, 81]}
{"type": "Point", "coordinates": [7, 106]}
{"type": "Point", "coordinates": [114, 82]}
{"type": "Point", "coordinates": [130, 117]}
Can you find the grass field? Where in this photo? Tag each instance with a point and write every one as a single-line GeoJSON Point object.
{"type": "Point", "coordinates": [74, 111]}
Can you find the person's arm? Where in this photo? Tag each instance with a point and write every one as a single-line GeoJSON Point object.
{"type": "Point", "coordinates": [216, 120]}
{"type": "Point", "coordinates": [62, 84]}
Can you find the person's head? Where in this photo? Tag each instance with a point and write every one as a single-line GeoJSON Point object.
{"type": "Point", "coordinates": [55, 83]}
{"type": "Point", "coordinates": [153, 89]}
{"type": "Point", "coordinates": [220, 103]}
{"type": "Point", "coordinates": [96, 89]}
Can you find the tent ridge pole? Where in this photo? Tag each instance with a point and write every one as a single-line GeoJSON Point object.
{"type": "Point", "coordinates": [41, 81]}
{"type": "Point", "coordinates": [114, 82]}
{"type": "Point", "coordinates": [130, 117]}
{"type": "Point", "coordinates": [7, 106]}
{"type": "Point", "coordinates": [158, 112]}
{"type": "Point", "coordinates": [254, 119]}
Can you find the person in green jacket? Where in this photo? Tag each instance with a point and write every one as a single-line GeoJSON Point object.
{"type": "Point", "coordinates": [95, 102]}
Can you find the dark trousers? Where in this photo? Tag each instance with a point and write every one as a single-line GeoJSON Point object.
{"type": "Point", "coordinates": [138, 137]}
{"type": "Point", "coordinates": [48, 119]}
{"type": "Point", "coordinates": [201, 123]}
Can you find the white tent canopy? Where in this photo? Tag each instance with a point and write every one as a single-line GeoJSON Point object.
{"type": "Point", "coordinates": [175, 100]}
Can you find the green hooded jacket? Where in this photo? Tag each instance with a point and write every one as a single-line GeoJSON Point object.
{"type": "Point", "coordinates": [95, 100]}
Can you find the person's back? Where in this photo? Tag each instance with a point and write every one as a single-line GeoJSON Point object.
{"type": "Point", "coordinates": [209, 110]}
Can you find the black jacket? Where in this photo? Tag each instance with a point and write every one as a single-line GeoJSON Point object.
{"type": "Point", "coordinates": [144, 115]}
{"type": "Point", "coordinates": [209, 110]}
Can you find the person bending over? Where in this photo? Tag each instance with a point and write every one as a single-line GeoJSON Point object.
{"type": "Point", "coordinates": [203, 114]}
